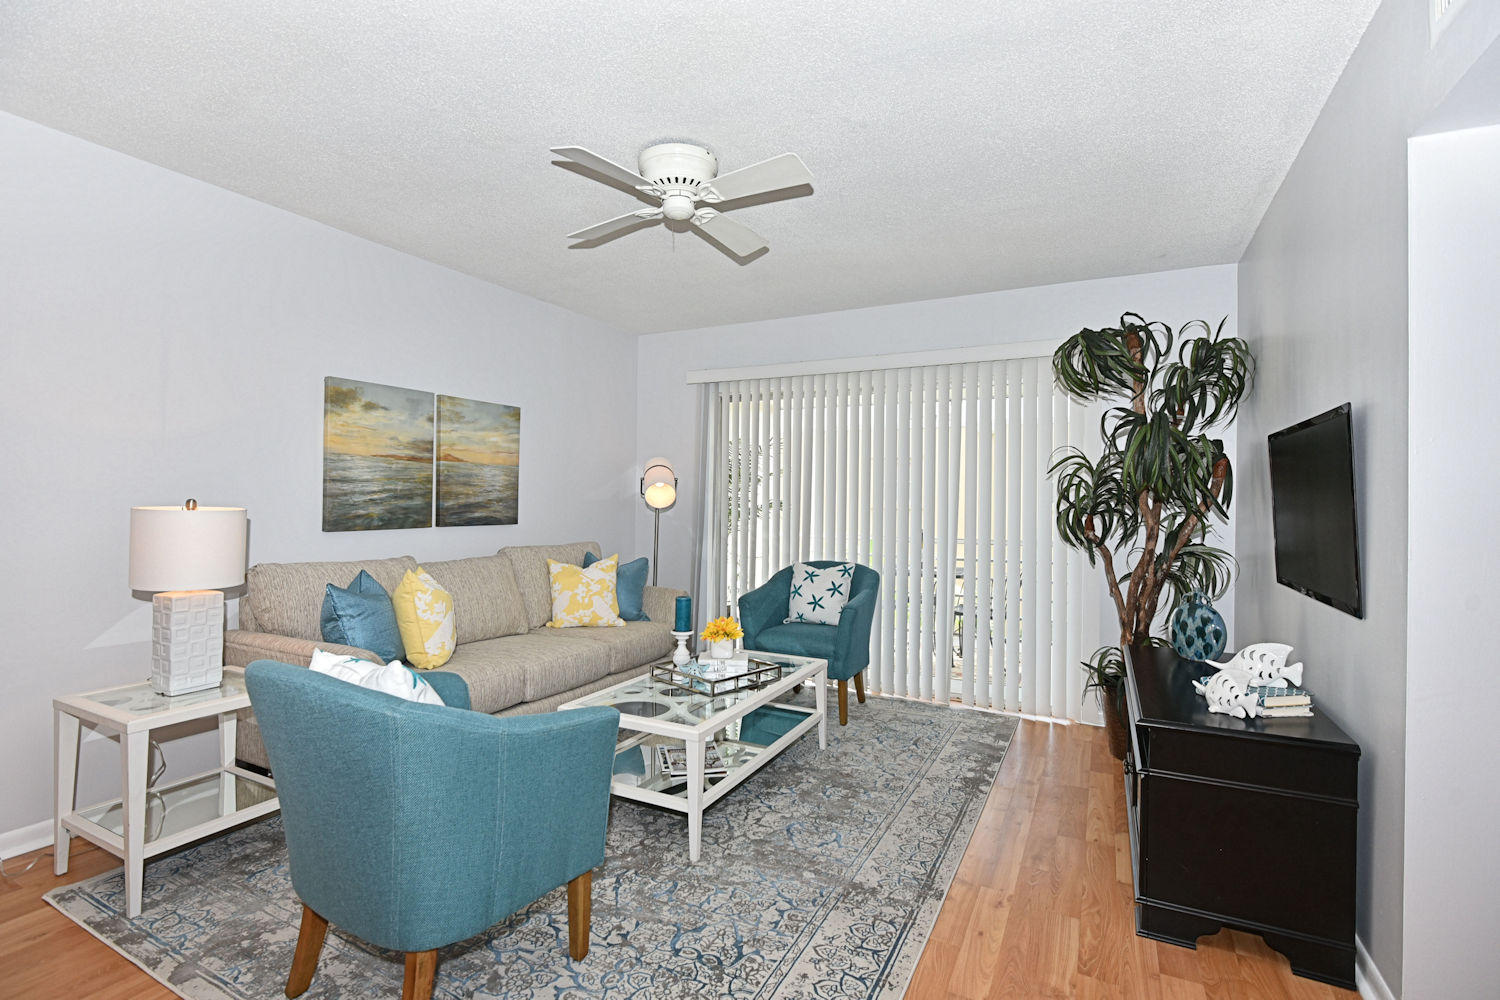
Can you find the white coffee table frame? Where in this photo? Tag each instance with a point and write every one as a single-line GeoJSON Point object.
{"type": "Point", "coordinates": [695, 798]}
{"type": "Point", "coordinates": [126, 836]}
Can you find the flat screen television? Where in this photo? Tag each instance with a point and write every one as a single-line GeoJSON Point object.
{"type": "Point", "coordinates": [1313, 515]}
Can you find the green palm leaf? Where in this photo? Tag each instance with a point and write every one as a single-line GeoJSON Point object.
{"type": "Point", "coordinates": [1158, 466]}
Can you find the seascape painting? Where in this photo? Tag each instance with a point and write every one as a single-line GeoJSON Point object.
{"type": "Point", "coordinates": [377, 456]}
{"type": "Point", "coordinates": [479, 462]}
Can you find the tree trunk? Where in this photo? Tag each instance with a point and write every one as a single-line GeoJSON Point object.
{"type": "Point", "coordinates": [1114, 723]}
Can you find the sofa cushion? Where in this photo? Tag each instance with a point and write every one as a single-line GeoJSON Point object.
{"type": "Point", "coordinates": [630, 585]}
{"type": "Point", "coordinates": [584, 598]}
{"type": "Point", "coordinates": [362, 615]}
{"type": "Point", "coordinates": [486, 601]}
{"type": "Point", "coordinates": [424, 612]}
{"type": "Point", "coordinates": [636, 644]}
{"type": "Point", "coordinates": [797, 639]}
{"type": "Point", "coordinates": [515, 668]}
{"type": "Point", "coordinates": [287, 598]}
{"type": "Point", "coordinates": [529, 563]}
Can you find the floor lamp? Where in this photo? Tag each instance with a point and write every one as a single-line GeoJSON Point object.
{"type": "Point", "coordinates": [659, 490]}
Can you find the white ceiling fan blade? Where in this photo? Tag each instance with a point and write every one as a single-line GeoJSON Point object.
{"type": "Point", "coordinates": [599, 164]}
{"type": "Point", "coordinates": [615, 225]}
{"type": "Point", "coordinates": [742, 241]}
{"type": "Point", "coordinates": [784, 171]}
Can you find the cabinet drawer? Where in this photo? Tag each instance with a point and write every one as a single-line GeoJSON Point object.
{"type": "Point", "coordinates": [1273, 859]}
{"type": "Point", "coordinates": [1283, 766]}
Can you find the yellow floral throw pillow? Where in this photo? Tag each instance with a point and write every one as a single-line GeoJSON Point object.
{"type": "Point", "coordinates": [584, 596]}
{"type": "Point", "coordinates": [424, 613]}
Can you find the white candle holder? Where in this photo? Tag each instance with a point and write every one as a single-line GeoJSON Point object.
{"type": "Point", "coordinates": [680, 655]}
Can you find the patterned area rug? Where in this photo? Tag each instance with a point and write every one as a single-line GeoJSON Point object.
{"type": "Point", "coordinates": [821, 877]}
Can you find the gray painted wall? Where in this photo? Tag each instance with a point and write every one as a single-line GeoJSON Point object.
{"type": "Point", "coordinates": [163, 338]}
{"type": "Point", "coordinates": [1323, 301]}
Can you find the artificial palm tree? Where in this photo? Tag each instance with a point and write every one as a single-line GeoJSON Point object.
{"type": "Point", "coordinates": [1144, 507]}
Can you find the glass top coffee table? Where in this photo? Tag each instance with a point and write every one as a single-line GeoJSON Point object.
{"type": "Point", "coordinates": [746, 727]}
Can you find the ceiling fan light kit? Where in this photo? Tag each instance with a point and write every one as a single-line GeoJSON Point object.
{"type": "Point", "coordinates": [683, 178]}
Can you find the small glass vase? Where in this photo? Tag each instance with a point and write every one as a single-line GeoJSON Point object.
{"type": "Point", "coordinates": [721, 649]}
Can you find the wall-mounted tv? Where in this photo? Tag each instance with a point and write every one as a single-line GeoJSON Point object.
{"type": "Point", "coordinates": [1313, 515]}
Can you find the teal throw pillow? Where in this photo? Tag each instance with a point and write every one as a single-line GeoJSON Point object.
{"type": "Point", "coordinates": [362, 615]}
{"type": "Point", "coordinates": [630, 586]}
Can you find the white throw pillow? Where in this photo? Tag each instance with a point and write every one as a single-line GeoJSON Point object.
{"type": "Point", "coordinates": [818, 596]}
{"type": "Point", "coordinates": [393, 678]}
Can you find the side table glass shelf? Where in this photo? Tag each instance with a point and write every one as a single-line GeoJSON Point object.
{"type": "Point", "coordinates": [144, 822]}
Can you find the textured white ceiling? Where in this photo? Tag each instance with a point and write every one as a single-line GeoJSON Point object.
{"type": "Point", "coordinates": [956, 147]}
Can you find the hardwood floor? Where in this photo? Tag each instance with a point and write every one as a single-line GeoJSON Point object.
{"type": "Point", "coordinates": [44, 954]}
{"type": "Point", "coordinates": [1041, 906]}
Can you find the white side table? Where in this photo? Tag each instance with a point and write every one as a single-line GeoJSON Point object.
{"type": "Point", "coordinates": [141, 823]}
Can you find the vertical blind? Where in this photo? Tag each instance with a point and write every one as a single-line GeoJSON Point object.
{"type": "Point", "coordinates": [936, 476]}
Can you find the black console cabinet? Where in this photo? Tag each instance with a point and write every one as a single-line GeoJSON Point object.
{"type": "Point", "coordinates": [1243, 823]}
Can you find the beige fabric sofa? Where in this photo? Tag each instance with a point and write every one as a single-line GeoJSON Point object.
{"type": "Point", "coordinates": [501, 603]}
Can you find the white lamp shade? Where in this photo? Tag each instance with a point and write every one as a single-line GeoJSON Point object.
{"type": "Point", "coordinates": [659, 484]}
{"type": "Point", "coordinates": [173, 548]}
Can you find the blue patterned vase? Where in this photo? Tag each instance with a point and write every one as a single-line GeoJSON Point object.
{"type": "Point", "coordinates": [1197, 630]}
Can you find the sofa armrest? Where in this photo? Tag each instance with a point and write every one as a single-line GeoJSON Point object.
{"type": "Point", "coordinates": [763, 607]}
{"type": "Point", "coordinates": [554, 782]}
{"type": "Point", "coordinates": [660, 604]}
{"type": "Point", "coordinates": [852, 645]}
{"type": "Point", "coordinates": [241, 648]}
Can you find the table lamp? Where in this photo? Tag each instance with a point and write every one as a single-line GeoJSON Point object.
{"type": "Point", "coordinates": [186, 555]}
{"type": "Point", "coordinates": [659, 490]}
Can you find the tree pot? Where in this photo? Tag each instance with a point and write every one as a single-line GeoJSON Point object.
{"type": "Point", "coordinates": [1114, 724]}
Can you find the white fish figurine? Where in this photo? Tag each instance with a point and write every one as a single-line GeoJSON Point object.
{"type": "Point", "coordinates": [1265, 662]}
{"type": "Point", "coordinates": [1228, 693]}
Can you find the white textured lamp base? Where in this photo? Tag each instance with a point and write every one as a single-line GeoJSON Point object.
{"type": "Point", "coordinates": [187, 641]}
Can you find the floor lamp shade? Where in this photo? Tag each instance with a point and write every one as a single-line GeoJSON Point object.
{"type": "Point", "coordinates": [659, 490]}
{"type": "Point", "coordinates": [659, 484]}
{"type": "Point", "coordinates": [185, 556]}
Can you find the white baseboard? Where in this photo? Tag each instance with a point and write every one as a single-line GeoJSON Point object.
{"type": "Point", "coordinates": [1367, 977]}
{"type": "Point", "coordinates": [27, 838]}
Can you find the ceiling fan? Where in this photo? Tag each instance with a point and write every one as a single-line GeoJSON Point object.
{"type": "Point", "coordinates": [684, 179]}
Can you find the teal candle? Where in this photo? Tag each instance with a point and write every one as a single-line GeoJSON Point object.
{"type": "Point", "coordinates": [684, 614]}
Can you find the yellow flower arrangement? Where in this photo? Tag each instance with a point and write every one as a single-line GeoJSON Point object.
{"type": "Point", "coordinates": [721, 630]}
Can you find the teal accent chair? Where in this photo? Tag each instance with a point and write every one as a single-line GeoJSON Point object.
{"type": "Point", "coordinates": [846, 646]}
{"type": "Point", "coordinates": [416, 826]}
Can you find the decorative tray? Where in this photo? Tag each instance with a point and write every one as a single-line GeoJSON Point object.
{"type": "Point", "coordinates": [717, 680]}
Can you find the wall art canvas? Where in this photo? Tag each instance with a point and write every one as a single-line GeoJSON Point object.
{"type": "Point", "coordinates": [479, 462]}
{"type": "Point", "coordinates": [377, 456]}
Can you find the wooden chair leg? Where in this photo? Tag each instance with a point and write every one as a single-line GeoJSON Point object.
{"type": "Point", "coordinates": [309, 947]}
{"type": "Point", "coordinates": [421, 969]}
{"type": "Point", "coordinates": [580, 912]}
{"type": "Point", "coordinates": [859, 686]}
{"type": "Point", "coordinates": [843, 703]}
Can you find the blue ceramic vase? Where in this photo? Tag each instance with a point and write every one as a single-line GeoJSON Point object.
{"type": "Point", "coordinates": [1197, 630]}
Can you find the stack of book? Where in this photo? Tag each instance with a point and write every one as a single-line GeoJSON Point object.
{"type": "Point", "coordinates": [673, 761]}
{"type": "Point", "coordinates": [1281, 701]}
{"type": "Point", "coordinates": [740, 662]}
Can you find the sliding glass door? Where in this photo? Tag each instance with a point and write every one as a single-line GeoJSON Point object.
{"type": "Point", "coordinates": [936, 477]}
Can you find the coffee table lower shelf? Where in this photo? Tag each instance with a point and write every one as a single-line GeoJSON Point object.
{"type": "Point", "coordinates": [739, 725]}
